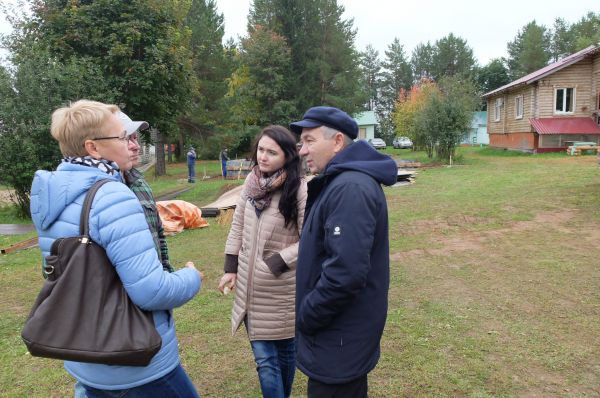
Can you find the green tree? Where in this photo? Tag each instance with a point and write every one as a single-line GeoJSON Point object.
{"type": "Point", "coordinates": [397, 75]}
{"type": "Point", "coordinates": [409, 104]}
{"type": "Point", "coordinates": [492, 75]}
{"type": "Point", "coordinates": [212, 66]}
{"type": "Point", "coordinates": [422, 61]}
{"type": "Point", "coordinates": [265, 60]}
{"type": "Point", "coordinates": [38, 85]}
{"type": "Point", "coordinates": [452, 57]}
{"type": "Point", "coordinates": [437, 115]}
{"type": "Point", "coordinates": [141, 47]}
{"type": "Point", "coordinates": [324, 64]}
{"type": "Point", "coordinates": [529, 51]}
{"type": "Point", "coordinates": [586, 31]}
{"type": "Point", "coordinates": [563, 40]}
{"type": "Point", "coordinates": [370, 66]}
{"type": "Point", "coordinates": [459, 101]}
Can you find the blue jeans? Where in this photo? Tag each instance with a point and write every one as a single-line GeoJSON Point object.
{"type": "Point", "coordinates": [224, 167]}
{"type": "Point", "coordinates": [275, 364]}
{"type": "Point", "coordinates": [191, 172]}
{"type": "Point", "coordinates": [175, 384]}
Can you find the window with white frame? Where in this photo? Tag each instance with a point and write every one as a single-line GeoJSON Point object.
{"type": "Point", "coordinates": [497, 109]}
{"type": "Point", "coordinates": [519, 107]}
{"type": "Point", "coordinates": [564, 100]}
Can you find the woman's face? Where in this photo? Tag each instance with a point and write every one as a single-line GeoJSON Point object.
{"type": "Point", "coordinates": [113, 144]}
{"type": "Point", "coordinates": [269, 155]}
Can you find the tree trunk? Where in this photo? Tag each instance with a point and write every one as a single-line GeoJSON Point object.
{"type": "Point", "coordinates": [181, 148]}
{"type": "Point", "coordinates": [160, 168]}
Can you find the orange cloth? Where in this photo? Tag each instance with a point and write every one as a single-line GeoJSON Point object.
{"type": "Point", "coordinates": [177, 215]}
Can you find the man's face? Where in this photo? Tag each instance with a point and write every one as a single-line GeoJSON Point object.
{"type": "Point", "coordinates": [317, 149]}
{"type": "Point", "coordinates": [133, 147]}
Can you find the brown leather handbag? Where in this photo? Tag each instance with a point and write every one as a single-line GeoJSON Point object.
{"type": "Point", "coordinates": [83, 312]}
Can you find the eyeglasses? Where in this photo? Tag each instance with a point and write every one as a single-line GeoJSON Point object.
{"type": "Point", "coordinates": [126, 138]}
{"type": "Point", "coordinates": [122, 139]}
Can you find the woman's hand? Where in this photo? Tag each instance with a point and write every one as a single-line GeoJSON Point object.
{"type": "Point", "coordinates": [227, 282]}
{"type": "Point", "coordinates": [191, 265]}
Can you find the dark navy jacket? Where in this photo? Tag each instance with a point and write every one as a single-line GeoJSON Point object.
{"type": "Point", "coordinates": [342, 276]}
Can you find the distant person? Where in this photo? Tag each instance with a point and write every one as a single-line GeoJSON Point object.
{"type": "Point", "coordinates": [94, 142]}
{"type": "Point", "coordinates": [260, 257]}
{"type": "Point", "coordinates": [342, 276]}
{"type": "Point", "coordinates": [136, 182]}
{"type": "Point", "coordinates": [191, 164]}
{"type": "Point", "coordinates": [224, 158]}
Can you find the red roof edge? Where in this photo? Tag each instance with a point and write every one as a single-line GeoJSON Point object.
{"type": "Point", "coordinates": [565, 125]}
{"type": "Point", "coordinates": [546, 70]}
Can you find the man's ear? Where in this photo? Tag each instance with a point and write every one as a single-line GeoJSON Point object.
{"type": "Point", "coordinates": [339, 142]}
{"type": "Point", "coordinates": [91, 149]}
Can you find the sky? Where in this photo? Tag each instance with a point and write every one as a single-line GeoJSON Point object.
{"type": "Point", "coordinates": [486, 26]}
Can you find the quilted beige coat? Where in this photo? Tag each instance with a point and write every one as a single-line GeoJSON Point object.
{"type": "Point", "coordinates": [268, 301]}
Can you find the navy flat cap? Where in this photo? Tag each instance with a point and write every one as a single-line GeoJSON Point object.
{"type": "Point", "coordinates": [326, 116]}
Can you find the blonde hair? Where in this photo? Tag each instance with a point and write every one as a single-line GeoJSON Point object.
{"type": "Point", "coordinates": [80, 121]}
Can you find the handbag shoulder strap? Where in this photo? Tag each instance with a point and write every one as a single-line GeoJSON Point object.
{"type": "Point", "coordinates": [84, 229]}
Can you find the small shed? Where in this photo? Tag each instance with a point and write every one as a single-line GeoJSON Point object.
{"type": "Point", "coordinates": [477, 133]}
{"type": "Point", "coordinates": [366, 125]}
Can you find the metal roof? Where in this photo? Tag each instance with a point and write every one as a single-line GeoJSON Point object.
{"type": "Point", "coordinates": [546, 70]}
{"type": "Point", "coordinates": [565, 125]}
{"type": "Point", "coordinates": [366, 118]}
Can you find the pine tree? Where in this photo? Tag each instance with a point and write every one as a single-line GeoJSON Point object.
{"type": "Point", "coordinates": [586, 31]}
{"type": "Point", "coordinates": [563, 40]}
{"type": "Point", "coordinates": [397, 75]}
{"type": "Point", "coordinates": [324, 65]}
{"type": "Point", "coordinates": [452, 57]}
{"type": "Point", "coordinates": [371, 75]}
{"type": "Point", "coordinates": [529, 51]}
{"type": "Point", "coordinates": [212, 68]}
{"type": "Point", "coordinates": [422, 61]}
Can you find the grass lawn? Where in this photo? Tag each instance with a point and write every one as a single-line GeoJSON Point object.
{"type": "Point", "coordinates": [495, 287]}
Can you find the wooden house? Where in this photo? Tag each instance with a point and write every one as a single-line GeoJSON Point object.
{"type": "Point", "coordinates": [550, 108]}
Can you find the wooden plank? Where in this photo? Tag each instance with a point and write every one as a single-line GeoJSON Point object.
{"type": "Point", "coordinates": [26, 244]}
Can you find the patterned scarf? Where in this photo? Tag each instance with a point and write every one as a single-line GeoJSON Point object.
{"type": "Point", "coordinates": [259, 189]}
{"type": "Point", "coordinates": [107, 166]}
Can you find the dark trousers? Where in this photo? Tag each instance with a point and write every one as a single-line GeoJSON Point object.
{"type": "Point", "coordinates": [353, 389]}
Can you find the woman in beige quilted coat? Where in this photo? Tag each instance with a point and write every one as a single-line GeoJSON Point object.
{"type": "Point", "coordinates": [260, 257]}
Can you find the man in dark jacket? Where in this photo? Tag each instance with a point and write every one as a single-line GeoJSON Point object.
{"type": "Point", "coordinates": [342, 275]}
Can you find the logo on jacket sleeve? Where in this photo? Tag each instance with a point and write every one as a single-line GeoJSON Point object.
{"type": "Point", "coordinates": [337, 231]}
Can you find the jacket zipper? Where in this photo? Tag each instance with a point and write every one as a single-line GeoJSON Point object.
{"type": "Point", "coordinates": [251, 266]}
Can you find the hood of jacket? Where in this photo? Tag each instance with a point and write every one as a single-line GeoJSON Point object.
{"type": "Point", "coordinates": [362, 157]}
{"type": "Point", "coordinates": [53, 191]}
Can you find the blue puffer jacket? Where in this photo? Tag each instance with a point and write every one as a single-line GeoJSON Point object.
{"type": "Point", "coordinates": [342, 275]}
{"type": "Point", "coordinates": [117, 224]}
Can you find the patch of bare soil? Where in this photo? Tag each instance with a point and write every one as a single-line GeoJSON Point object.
{"type": "Point", "coordinates": [464, 241]}
{"type": "Point", "coordinates": [4, 197]}
{"type": "Point", "coordinates": [531, 312]}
